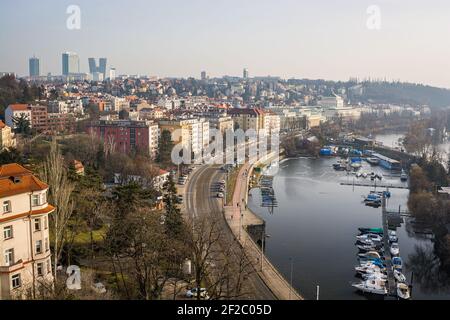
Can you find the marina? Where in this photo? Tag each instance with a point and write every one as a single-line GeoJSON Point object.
{"type": "Point", "coordinates": [316, 214]}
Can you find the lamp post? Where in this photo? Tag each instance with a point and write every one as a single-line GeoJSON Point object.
{"type": "Point", "coordinates": [263, 246]}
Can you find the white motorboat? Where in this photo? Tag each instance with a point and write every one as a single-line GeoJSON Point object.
{"type": "Point", "coordinates": [369, 268]}
{"type": "Point", "coordinates": [400, 277]}
{"type": "Point", "coordinates": [370, 236]}
{"type": "Point", "coordinates": [395, 250]}
{"type": "Point", "coordinates": [370, 254]}
{"type": "Point", "coordinates": [367, 247]}
{"type": "Point", "coordinates": [366, 242]}
{"type": "Point", "coordinates": [371, 286]}
{"type": "Point", "coordinates": [375, 276]}
{"type": "Point", "coordinates": [393, 239]}
{"type": "Point", "coordinates": [403, 291]}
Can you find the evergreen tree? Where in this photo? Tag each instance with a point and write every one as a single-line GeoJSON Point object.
{"type": "Point", "coordinates": [165, 147]}
{"type": "Point", "coordinates": [22, 124]}
{"type": "Point", "coordinates": [174, 221]}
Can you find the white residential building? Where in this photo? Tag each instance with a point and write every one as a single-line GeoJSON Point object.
{"type": "Point", "coordinates": [14, 111]}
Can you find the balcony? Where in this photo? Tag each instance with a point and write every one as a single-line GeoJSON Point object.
{"type": "Point", "coordinates": [13, 267]}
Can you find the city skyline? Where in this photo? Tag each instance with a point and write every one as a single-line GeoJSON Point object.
{"type": "Point", "coordinates": [287, 39]}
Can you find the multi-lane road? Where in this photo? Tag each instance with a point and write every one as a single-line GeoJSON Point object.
{"type": "Point", "coordinates": [200, 203]}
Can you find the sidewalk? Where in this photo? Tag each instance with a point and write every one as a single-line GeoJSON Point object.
{"type": "Point", "coordinates": [273, 279]}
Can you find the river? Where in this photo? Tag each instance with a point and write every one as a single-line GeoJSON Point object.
{"type": "Point", "coordinates": [313, 230]}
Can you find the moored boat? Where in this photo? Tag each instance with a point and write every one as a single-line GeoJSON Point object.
{"type": "Point", "coordinates": [371, 230]}
{"type": "Point", "coordinates": [395, 250]}
{"type": "Point", "coordinates": [400, 277]}
{"type": "Point", "coordinates": [397, 262]}
{"type": "Point", "coordinates": [403, 291]}
{"type": "Point", "coordinates": [374, 286]}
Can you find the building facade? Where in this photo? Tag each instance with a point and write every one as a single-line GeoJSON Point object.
{"type": "Point", "coordinates": [191, 133]}
{"type": "Point", "coordinates": [70, 63]}
{"type": "Point", "coordinates": [127, 136]}
{"type": "Point", "coordinates": [34, 67]}
{"type": "Point", "coordinates": [25, 263]}
{"type": "Point", "coordinates": [7, 139]}
{"type": "Point", "coordinates": [15, 111]}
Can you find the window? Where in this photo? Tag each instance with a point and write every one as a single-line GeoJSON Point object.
{"type": "Point", "coordinates": [9, 257]}
{"type": "Point", "coordinates": [44, 198]}
{"type": "Point", "coordinates": [15, 281]}
{"type": "Point", "coordinates": [39, 246]}
{"type": "Point", "coordinates": [35, 200]}
{"type": "Point", "coordinates": [46, 222]}
{"type": "Point", "coordinates": [6, 206]}
{"type": "Point", "coordinates": [37, 224]}
{"type": "Point", "coordinates": [7, 232]}
{"type": "Point", "coordinates": [40, 269]}
{"type": "Point", "coordinates": [46, 245]}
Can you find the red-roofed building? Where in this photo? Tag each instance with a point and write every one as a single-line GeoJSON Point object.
{"type": "Point", "coordinates": [25, 261]}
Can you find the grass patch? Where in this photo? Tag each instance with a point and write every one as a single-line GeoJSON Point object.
{"type": "Point", "coordinates": [231, 184]}
{"type": "Point", "coordinates": [84, 238]}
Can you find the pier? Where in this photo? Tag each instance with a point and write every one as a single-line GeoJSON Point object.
{"type": "Point", "coordinates": [372, 185]}
{"type": "Point", "coordinates": [392, 287]}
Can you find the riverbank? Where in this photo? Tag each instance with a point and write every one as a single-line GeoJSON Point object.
{"type": "Point", "coordinates": [238, 217]}
{"type": "Point", "coordinates": [313, 229]}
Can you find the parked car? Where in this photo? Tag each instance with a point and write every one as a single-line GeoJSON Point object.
{"type": "Point", "coordinates": [220, 195]}
{"type": "Point", "coordinates": [194, 292]}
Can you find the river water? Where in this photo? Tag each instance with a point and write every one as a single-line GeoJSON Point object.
{"type": "Point", "coordinates": [312, 231]}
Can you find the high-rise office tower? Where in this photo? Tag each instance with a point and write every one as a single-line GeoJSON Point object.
{"type": "Point", "coordinates": [34, 67]}
{"type": "Point", "coordinates": [92, 65]}
{"type": "Point", "coordinates": [112, 73]}
{"type": "Point", "coordinates": [203, 75]}
{"type": "Point", "coordinates": [70, 63]}
{"type": "Point", "coordinates": [245, 73]}
{"type": "Point", "coordinates": [100, 69]}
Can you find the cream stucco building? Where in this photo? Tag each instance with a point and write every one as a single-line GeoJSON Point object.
{"type": "Point", "coordinates": [7, 139]}
{"type": "Point", "coordinates": [25, 261]}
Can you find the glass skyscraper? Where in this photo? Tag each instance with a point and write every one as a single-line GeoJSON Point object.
{"type": "Point", "coordinates": [34, 67]}
{"type": "Point", "coordinates": [70, 63]}
{"type": "Point", "coordinates": [100, 69]}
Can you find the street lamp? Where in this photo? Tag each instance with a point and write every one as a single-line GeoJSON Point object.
{"type": "Point", "coordinates": [263, 245]}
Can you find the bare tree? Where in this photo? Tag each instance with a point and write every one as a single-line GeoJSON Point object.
{"type": "Point", "coordinates": [60, 190]}
{"type": "Point", "coordinates": [218, 261]}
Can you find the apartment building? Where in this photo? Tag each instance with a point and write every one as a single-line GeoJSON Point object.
{"type": "Point", "coordinates": [39, 118]}
{"type": "Point", "coordinates": [127, 136]}
{"type": "Point", "coordinates": [25, 263]}
{"type": "Point", "coordinates": [246, 119]}
{"type": "Point", "coordinates": [16, 111]}
{"type": "Point", "coordinates": [222, 123]}
{"type": "Point", "coordinates": [272, 122]}
{"type": "Point", "coordinates": [191, 133]}
{"type": "Point", "coordinates": [7, 139]}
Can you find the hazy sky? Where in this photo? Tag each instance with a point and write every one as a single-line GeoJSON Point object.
{"type": "Point", "coordinates": [289, 38]}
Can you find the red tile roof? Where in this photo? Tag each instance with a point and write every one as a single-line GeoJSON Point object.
{"type": "Point", "coordinates": [18, 107]}
{"type": "Point", "coordinates": [15, 179]}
